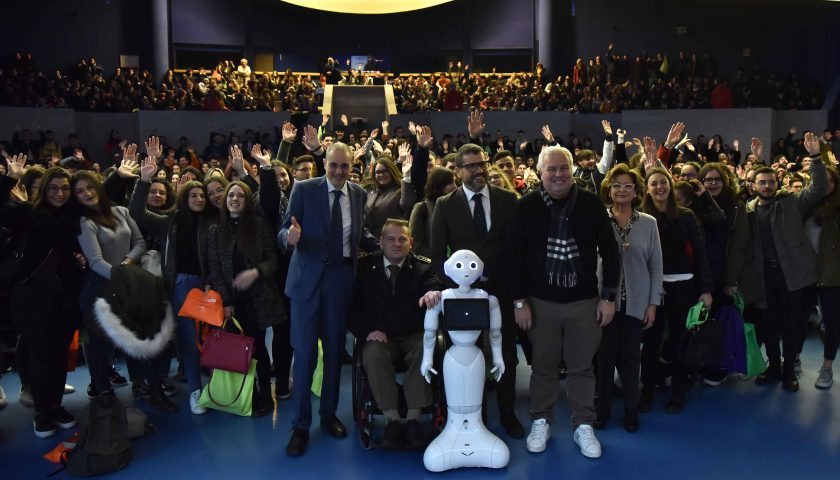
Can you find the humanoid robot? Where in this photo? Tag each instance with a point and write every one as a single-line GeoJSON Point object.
{"type": "Point", "coordinates": [464, 441]}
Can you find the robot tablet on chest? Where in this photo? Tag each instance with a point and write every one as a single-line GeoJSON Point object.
{"type": "Point", "coordinates": [465, 441]}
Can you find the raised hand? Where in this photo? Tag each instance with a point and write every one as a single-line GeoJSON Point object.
{"type": "Point", "coordinates": [404, 150]}
{"type": "Point", "coordinates": [128, 165]}
{"type": "Point", "coordinates": [377, 147]}
{"type": "Point", "coordinates": [412, 127]}
{"type": "Point", "coordinates": [237, 162]}
{"type": "Point", "coordinates": [153, 147]}
{"type": "Point", "coordinates": [289, 132]}
{"type": "Point", "coordinates": [475, 124]}
{"type": "Point", "coordinates": [605, 124]}
{"type": "Point", "coordinates": [310, 138]}
{"type": "Point", "coordinates": [15, 166]}
{"type": "Point", "coordinates": [424, 137]}
{"type": "Point", "coordinates": [756, 147]}
{"type": "Point", "coordinates": [324, 120]}
{"type": "Point", "coordinates": [263, 157]}
{"type": "Point", "coordinates": [674, 135]}
{"type": "Point", "coordinates": [650, 153]}
{"type": "Point", "coordinates": [406, 167]}
{"type": "Point", "coordinates": [812, 143]}
{"type": "Point", "coordinates": [147, 169]}
{"type": "Point", "coordinates": [360, 152]}
{"type": "Point", "coordinates": [547, 135]}
{"type": "Point", "coordinates": [736, 144]}
{"type": "Point", "coordinates": [293, 237]}
{"type": "Point", "coordinates": [374, 133]}
{"type": "Point", "coordinates": [344, 120]}
{"type": "Point", "coordinates": [385, 124]}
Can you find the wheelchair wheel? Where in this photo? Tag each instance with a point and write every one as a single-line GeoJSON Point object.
{"type": "Point", "coordinates": [360, 411]}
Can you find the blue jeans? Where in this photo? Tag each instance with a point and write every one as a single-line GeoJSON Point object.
{"type": "Point", "coordinates": [185, 329]}
{"type": "Point", "coordinates": [99, 351]}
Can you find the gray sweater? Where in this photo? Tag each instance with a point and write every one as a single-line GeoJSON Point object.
{"type": "Point", "coordinates": [104, 248]}
{"type": "Point", "coordinates": [641, 267]}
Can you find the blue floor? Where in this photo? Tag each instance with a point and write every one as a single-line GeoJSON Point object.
{"type": "Point", "coordinates": [735, 431]}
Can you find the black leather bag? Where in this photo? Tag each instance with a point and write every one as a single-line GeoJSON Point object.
{"type": "Point", "coordinates": [705, 339]}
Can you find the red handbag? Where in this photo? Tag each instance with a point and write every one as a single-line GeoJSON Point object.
{"type": "Point", "coordinates": [227, 351]}
{"type": "Point", "coordinates": [204, 306]}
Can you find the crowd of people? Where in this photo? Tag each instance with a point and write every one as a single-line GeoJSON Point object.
{"type": "Point", "coordinates": [607, 83]}
{"type": "Point", "coordinates": [295, 237]}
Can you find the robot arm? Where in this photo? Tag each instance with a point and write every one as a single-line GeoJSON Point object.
{"type": "Point", "coordinates": [496, 338]}
{"type": "Point", "coordinates": [430, 325]}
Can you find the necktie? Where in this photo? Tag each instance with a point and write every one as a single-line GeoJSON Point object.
{"type": "Point", "coordinates": [478, 216]}
{"type": "Point", "coordinates": [393, 271]}
{"type": "Point", "coordinates": [336, 230]}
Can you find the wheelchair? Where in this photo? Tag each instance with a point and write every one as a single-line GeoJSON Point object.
{"type": "Point", "coordinates": [365, 408]}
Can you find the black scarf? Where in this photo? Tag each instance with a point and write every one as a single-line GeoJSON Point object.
{"type": "Point", "coordinates": [562, 262]}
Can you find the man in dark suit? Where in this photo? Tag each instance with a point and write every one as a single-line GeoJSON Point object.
{"type": "Point", "coordinates": [385, 314]}
{"type": "Point", "coordinates": [323, 224]}
{"type": "Point", "coordinates": [475, 217]}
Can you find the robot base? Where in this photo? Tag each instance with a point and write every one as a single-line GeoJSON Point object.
{"type": "Point", "coordinates": [465, 442]}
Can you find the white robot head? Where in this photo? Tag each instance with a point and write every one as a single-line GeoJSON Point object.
{"type": "Point", "coordinates": [464, 268]}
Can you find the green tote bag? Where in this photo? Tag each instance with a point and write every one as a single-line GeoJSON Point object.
{"type": "Point", "coordinates": [230, 392]}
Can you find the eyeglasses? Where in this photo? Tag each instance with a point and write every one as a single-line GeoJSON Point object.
{"type": "Point", "coordinates": [472, 167]}
{"type": "Point", "coordinates": [623, 186]}
{"type": "Point", "coordinates": [712, 180]}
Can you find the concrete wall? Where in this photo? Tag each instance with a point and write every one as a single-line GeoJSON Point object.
{"type": "Point", "coordinates": [94, 128]}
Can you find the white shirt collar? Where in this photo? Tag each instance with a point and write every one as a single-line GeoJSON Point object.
{"type": "Point", "coordinates": [388, 262]}
{"type": "Point", "coordinates": [484, 191]}
{"type": "Point", "coordinates": [345, 189]}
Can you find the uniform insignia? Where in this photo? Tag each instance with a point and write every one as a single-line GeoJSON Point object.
{"type": "Point", "coordinates": [423, 259]}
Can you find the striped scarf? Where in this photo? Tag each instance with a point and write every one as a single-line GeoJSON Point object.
{"type": "Point", "coordinates": [562, 262]}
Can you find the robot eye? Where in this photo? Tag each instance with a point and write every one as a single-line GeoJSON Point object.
{"type": "Point", "coordinates": [459, 265]}
{"type": "Point", "coordinates": [473, 265]}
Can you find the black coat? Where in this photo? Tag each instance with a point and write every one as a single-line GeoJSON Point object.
{"type": "Point", "coordinates": [376, 307]}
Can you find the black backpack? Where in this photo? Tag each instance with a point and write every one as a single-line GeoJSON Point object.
{"type": "Point", "coordinates": [103, 446]}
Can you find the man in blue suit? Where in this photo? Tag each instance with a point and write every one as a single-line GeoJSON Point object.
{"type": "Point", "coordinates": [323, 224]}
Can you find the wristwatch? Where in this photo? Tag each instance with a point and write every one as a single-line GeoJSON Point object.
{"type": "Point", "coordinates": [608, 297]}
{"type": "Point", "coordinates": [519, 304]}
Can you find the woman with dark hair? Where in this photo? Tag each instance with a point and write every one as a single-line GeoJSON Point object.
{"type": "Point", "coordinates": [276, 182]}
{"type": "Point", "coordinates": [719, 210]}
{"type": "Point", "coordinates": [823, 229]}
{"type": "Point", "coordinates": [31, 181]}
{"type": "Point", "coordinates": [392, 196]}
{"type": "Point", "coordinates": [686, 272]}
{"type": "Point", "coordinates": [214, 190]}
{"type": "Point", "coordinates": [108, 237]}
{"type": "Point", "coordinates": [439, 182]}
{"type": "Point", "coordinates": [45, 288]}
{"type": "Point", "coordinates": [183, 230]}
{"type": "Point", "coordinates": [640, 292]}
{"type": "Point", "coordinates": [161, 195]}
{"type": "Point", "coordinates": [243, 263]}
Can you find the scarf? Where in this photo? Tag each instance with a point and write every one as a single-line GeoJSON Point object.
{"type": "Point", "coordinates": [562, 262]}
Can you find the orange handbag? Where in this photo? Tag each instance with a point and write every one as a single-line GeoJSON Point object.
{"type": "Point", "coordinates": [73, 352]}
{"type": "Point", "coordinates": [204, 306]}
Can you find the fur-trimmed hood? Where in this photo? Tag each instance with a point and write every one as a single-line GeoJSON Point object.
{"type": "Point", "coordinates": [134, 314]}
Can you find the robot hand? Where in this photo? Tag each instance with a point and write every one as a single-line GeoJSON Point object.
{"type": "Point", "coordinates": [498, 369]}
{"type": "Point", "coordinates": [426, 370]}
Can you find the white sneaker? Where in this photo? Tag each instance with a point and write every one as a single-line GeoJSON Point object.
{"type": "Point", "coordinates": [589, 445]}
{"type": "Point", "coordinates": [825, 378]}
{"type": "Point", "coordinates": [194, 407]}
{"type": "Point", "coordinates": [540, 433]}
{"type": "Point", "coordinates": [69, 389]}
{"type": "Point", "coordinates": [3, 401]}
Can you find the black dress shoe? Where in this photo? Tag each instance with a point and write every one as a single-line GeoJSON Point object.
{"type": "Point", "coordinates": [160, 402]}
{"type": "Point", "coordinates": [392, 438]}
{"type": "Point", "coordinates": [414, 437]}
{"type": "Point", "coordinates": [511, 424]}
{"type": "Point", "coordinates": [262, 403]}
{"type": "Point", "coordinates": [334, 427]}
{"type": "Point", "coordinates": [297, 443]}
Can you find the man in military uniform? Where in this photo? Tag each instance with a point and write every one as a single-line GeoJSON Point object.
{"type": "Point", "coordinates": [392, 290]}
